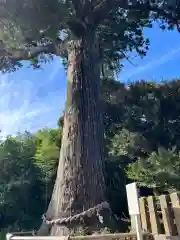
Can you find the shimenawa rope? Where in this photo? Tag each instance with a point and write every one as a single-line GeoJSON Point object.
{"type": "Point", "coordinates": [78, 217]}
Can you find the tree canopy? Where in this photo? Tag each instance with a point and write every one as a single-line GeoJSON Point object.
{"type": "Point", "coordinates": [36, 30]}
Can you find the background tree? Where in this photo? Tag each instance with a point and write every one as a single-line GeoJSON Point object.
{"type": "Point", "coordinates": [46, 158]}
{"type": "Point", "coordinates": [159, 171]}
{"type": "Point", "coordinates": [18, 183]}
{"type": "Point", "coordinates": [148, 143]}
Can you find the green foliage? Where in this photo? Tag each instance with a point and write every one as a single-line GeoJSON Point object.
{"type": "Point", "coordinates": [118, 25]}
{"type": "Point", "coordinates": [113, 95]}
{"type": "Point", "coordinates": [148, 133]}
{"type": "Point", "coordinates": [18, 182]}
{"type": "Point", "coordinates": [125, 143]}
{"type": "Point", "coordinates": [47, 152]}
{"type": "Point", "coordinates": [46, 159]}
{"type": "Point", "coordinates": [160, 171]}
{"type": "Point", "coordinates": [28, 166]}
{"type": "Point", "coordinates": [115, 181]}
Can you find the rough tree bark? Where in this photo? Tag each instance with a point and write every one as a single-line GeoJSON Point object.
{"type": "Point", "coordinates": [80, 182]}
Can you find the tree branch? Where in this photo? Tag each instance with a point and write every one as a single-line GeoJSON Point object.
{"type": "Point", "coordinates": [103, 7]}
{"type": "Point", "coordinates": [26, 54]}
{"type": "Point", "coordinates": [10, 58]}
{"type": "Point", "coordinates": [127, 58]}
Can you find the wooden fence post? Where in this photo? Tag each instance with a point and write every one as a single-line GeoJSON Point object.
{"type": "Point", "coordinates": [145, 219]}
{"type": "Point", "coordinates": [133, 223]}
{"type": "Point", "coordinates": [168, 222]}
{"type": "Point", "coordinates": [155, 224]}
{"type": "Point", "coordinates": [176, 209]}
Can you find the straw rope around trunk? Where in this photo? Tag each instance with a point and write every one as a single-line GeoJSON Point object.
{"type": "Point", "coordinates": [78, 217]}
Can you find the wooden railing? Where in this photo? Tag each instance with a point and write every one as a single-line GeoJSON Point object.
{"type": "Point", "coordinates": [116, 236]}
{"type": "Point", "coordinates": [161, 215]}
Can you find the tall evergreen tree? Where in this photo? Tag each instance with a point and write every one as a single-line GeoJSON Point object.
{"type": "Point", "coordinates": [85, 33]}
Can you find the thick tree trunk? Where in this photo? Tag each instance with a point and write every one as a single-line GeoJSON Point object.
{"type": "Point", "coordinates": [80, 182]}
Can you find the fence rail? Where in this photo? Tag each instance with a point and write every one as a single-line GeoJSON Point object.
{"type": "Point", "coordinates": [161, 215]}
{"type": "Point", "coordinates": [116, 236]}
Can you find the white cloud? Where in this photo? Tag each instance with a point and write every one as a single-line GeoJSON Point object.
{"type": "Point", "coordinates": [158, 61]}
{"type": "Point", "coordinates": [21, 109]}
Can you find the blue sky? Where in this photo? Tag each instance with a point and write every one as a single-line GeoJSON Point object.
{"type": "Point", "coordinates": [34, 99]}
